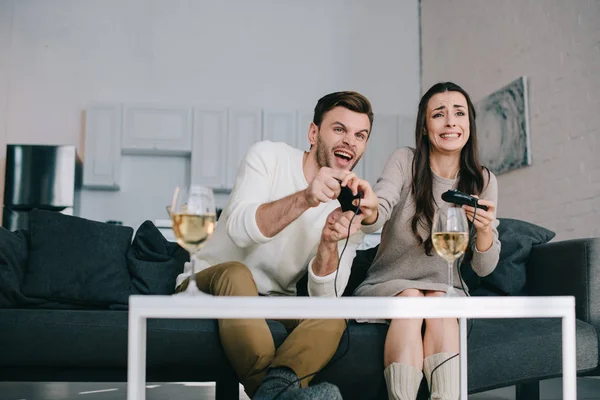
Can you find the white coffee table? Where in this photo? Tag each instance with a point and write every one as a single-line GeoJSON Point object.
{"type": "Point", "coordinates": [143, 307]}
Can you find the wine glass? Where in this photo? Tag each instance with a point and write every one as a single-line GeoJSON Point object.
{"type": "Point", "coordinates": [193, 216]}
{"type": "Point", "coordinates": [450, 237]}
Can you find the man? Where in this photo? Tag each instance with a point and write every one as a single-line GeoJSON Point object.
{"type": "Point", "coordinates": [282, 219]}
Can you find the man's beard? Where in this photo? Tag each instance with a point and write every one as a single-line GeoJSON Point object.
{"type": "Point", "coordinates": [324, 154]}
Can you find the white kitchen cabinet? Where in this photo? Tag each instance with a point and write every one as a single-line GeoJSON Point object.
{"type": "Point", "coordinates": [244, 129]}
{"type": "Point", "coordinates": [156, 129]}
{"type": "Point", "coordinates": [303, 120]}
{"type": "Point", "coordinates": [209, 148]}
{"type": "Point", "coordinates": [280, 126]}
{"type": "Point", "coordinates": [102, 154]}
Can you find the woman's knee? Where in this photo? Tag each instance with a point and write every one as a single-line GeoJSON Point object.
{"type": "Point", "coordinates": [434, 293]}
{"type": "Point", "coordinates": [410, 293]}
{"type": "Point", "coordinates": [438, 325]}
{"type": "Point", "coordinates": [441, 327]}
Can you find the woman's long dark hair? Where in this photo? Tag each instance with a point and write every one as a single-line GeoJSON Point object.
{"type": "Point", "coordinates": [470, 177]}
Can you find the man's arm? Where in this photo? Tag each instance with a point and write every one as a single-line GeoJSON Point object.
{"type": "Point", "coordinates": [253, 185]}
{"type": "Point", "coordinates": [322, 269]}
{"type": "Point", "coordinates": [252, 217]}
{"type": "Point", "coordinates": [273, 217]}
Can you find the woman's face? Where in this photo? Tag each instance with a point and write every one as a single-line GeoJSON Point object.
{"type": "Point", "coordinates": [447, 122]}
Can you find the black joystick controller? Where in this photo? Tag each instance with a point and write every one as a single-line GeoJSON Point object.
{"type": "Point", "coordinates": [456, 197]}
{"type": "Point", "coordinates": [346, 198]}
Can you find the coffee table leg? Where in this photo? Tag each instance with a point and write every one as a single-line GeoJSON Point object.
{"type": "Point", "coordinates": [136, 358]}
{"type": "Point", "coordinates": [464, 387]}
{"type": "Point", "coordinates": [569, 360]}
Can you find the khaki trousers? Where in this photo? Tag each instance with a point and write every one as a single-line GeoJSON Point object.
{"type": "Point", "coordinates": [248, 343]}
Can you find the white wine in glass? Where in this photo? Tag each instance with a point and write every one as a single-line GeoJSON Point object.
{"type": "Point", "coordinates": [450, 237]}
{"type": "Point", "coordinates": [192, 230]}
{"type": "Point", "coordinates": [194, 216]}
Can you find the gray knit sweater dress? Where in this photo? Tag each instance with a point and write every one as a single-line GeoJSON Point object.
{"type": "Point", "coordinates": [401, 263]}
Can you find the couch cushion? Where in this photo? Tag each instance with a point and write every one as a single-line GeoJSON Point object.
{"type": "Point", "coordinates": [503, 352]}
{"type": "Point", "coordinates": [154, 262]}
{"type": "Point", "coordinates": [13, 260]}
{"type": "Point", "coordinates": [75, 260]}
{"type": "Point", "coordinates": [357, 366]}
{"type": "Point", "coordinates": [98, 339]}
{"type": "Point", "coordinates": [517, 239]}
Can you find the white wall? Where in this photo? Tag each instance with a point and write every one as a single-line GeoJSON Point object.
{"type": "Point", "coordinates": [483, 45]}
{"type": "Point", "coordinates": [5, 29]}
{"type": "Point", "coordinates": [62, 54]}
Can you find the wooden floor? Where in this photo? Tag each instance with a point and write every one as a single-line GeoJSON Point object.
{"type": "Point", "coordinates": [587, 388]}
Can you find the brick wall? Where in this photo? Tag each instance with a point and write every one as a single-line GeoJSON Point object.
{"type": "Point", "coordinates": [483, 45]}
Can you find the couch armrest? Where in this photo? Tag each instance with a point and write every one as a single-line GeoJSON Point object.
{"type": "Point", "coordinates": [568, 268]}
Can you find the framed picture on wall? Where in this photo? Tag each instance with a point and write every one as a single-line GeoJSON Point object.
{"type": "Point", "coordinates": [503, 128]}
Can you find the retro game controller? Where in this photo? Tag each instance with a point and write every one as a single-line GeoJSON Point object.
{"type": "Point", "coordinates": [346, 198]}
{"type": "Point", "coordinates": [456, 197]}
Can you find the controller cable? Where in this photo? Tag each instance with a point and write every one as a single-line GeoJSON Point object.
{"type": "Point", "coordinates": [346, 331]}
{"type": "Point", "coordinates": [466, 293]}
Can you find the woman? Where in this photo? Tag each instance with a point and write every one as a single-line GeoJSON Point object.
{"type": "Point", "coordinates": [409, 192]}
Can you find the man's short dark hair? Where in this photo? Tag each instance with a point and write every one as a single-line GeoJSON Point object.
{"type": "Point", "coordinates": [353, 101]}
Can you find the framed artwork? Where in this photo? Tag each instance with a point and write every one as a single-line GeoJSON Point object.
{"type": "Point", "coordinates": [503, 128]}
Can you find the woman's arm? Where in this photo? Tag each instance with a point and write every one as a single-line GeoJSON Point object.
{"type": "Point", "coordinates": [389, 186]}
{"type": "Point", "coordinates": [485, 242]}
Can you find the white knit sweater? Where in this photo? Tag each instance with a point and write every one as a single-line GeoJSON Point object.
{"type": "Point", "coordinates": [271, 171]}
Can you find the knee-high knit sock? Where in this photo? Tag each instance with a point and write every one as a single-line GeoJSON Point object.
{"type": "Point", "coordinates": [402, 381]}
{"type": "Point", "coordinates": [445, 381]}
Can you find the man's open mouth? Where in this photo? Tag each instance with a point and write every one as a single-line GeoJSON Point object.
{"type": "Point", "coordinates": [344, 156]}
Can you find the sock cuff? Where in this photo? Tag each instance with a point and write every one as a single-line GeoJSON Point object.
{"type": "Point", "coordinates": [402, 380]}
{"type": "Point", "coordinates": [444, 383]}
{"type": "Point", "coordinates": [431, 362]}
{"type": "Point", "coordinates": [284, 373]}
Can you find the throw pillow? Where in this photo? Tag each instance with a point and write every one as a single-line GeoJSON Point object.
{"type": "Point", "coordinates": [516, 241]}
{"type": "Point", "coordinates": [154, 262]}
{"type": "Point", "coordinates": [78, 261]}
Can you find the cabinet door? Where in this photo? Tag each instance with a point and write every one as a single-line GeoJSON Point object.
{"type": "Point", "coordinates": [245, 129]}
{"type": "Point", "coordinates": [303, 120]}
{"type": "Point", "coordinates": [102, 156]}
{"type": "Point", "coordinates": [280, 126]}
{"type": "Point", "coordinates": [381, 144]}
{"type": "Point", "coordinates": [209, 148]}
{"type": "Point", "coordinates": [155, 129]}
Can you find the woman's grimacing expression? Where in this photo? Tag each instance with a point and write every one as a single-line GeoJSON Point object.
{"type": "Point", "coordinates": [447, 122]}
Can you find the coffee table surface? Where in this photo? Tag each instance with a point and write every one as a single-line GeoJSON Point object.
{"type": "Point", "coordinates": [180, 306]}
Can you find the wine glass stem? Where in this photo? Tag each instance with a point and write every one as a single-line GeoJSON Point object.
{"type": "Point", "coordinates": [193, 286]}
{"type": "Point", "coordinates": [450, 274]}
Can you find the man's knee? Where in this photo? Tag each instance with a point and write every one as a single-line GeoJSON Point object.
{"type": "Point", "coordinates": [234, 271]}
{"type": "Point", "coordinates": [233, 279]}
{"type": "Point", "coordinates": [333, 327]}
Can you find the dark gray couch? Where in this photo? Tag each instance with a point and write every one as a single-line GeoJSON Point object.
{"type": "Point", "coordinates": [50, 340]}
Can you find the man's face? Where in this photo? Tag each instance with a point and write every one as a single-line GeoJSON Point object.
{"type": "Point", "coordinates": [342, 138]}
